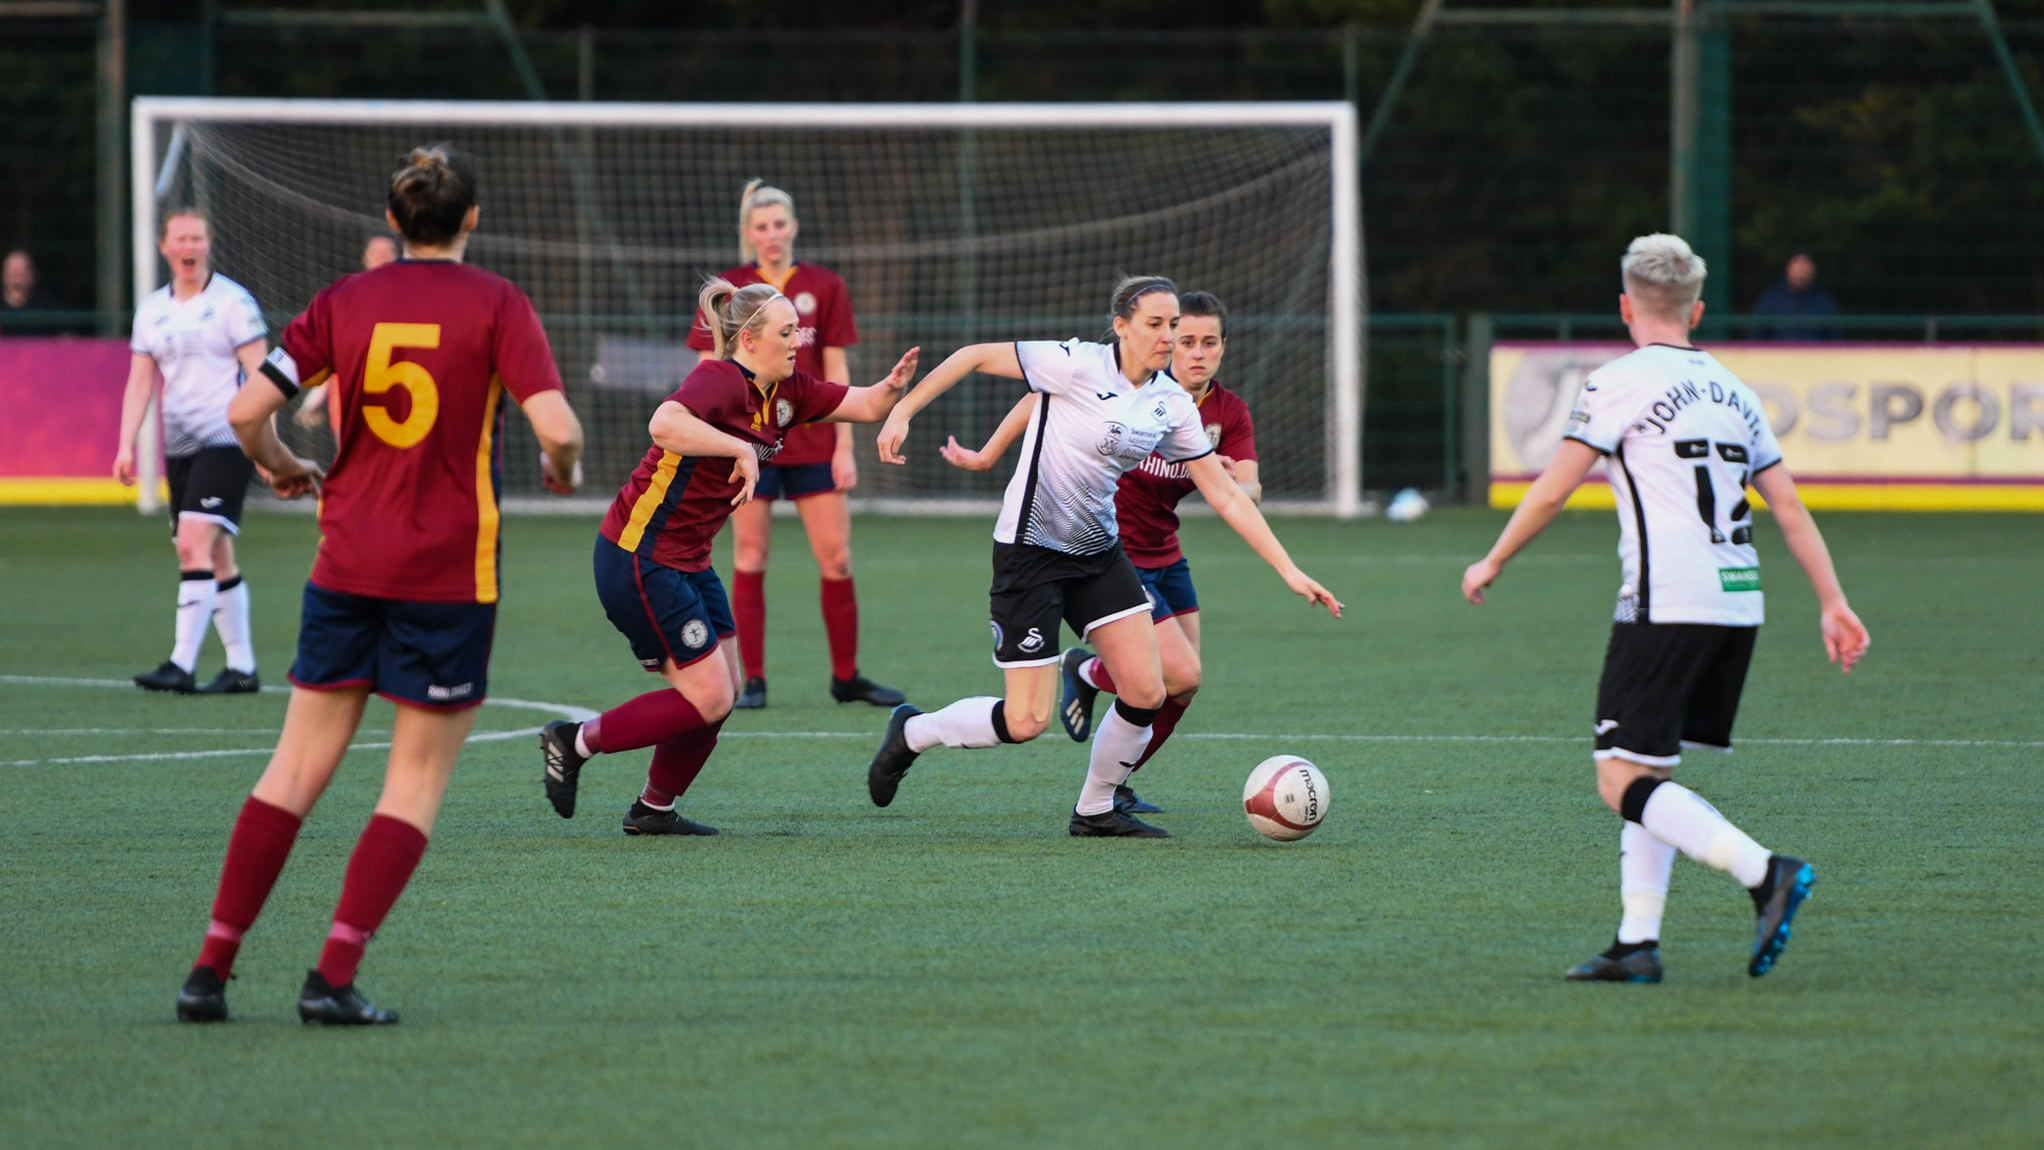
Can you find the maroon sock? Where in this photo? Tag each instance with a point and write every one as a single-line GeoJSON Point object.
{"type": "Point", "coordinates": [262, 839]}
{"type": "Point", "coordinates": [382, 864]}
{"type": "Point", "coordinates": [1095, 670]}
{"type": "Point", "coordinates": [678, 761]}
{"type": "Point", "coordinates": [748, 609]}
{"type": "Point", "coordinates": [646, 721]}
{"type": "Point", "coordinates": [1161, 728]}
{"type": "Point", "coordinates": [841, 625]}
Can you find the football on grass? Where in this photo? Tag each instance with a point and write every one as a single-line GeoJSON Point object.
{"type": "Point", "coordinates": [1285, 798]}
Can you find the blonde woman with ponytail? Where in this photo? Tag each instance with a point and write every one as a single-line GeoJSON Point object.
{"type": "Point", "coordinates": [711, 438]}
{"type": "Point", "coordinates": [816, 468]}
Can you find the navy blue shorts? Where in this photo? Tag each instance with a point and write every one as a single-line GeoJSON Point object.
{"type": "Point", "coordinates": [426, 654]}
{"type": "Point", "coordinates": [795, 481]}
{"type": "Point", "coordinates": [667, 614]}
{"type": "Point", "coordinates": [1170, 590]}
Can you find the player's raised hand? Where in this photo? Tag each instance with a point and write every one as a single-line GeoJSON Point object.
{"type": "Point", "coordinates": [965, 458]}
{"type": "Point", "coordinates": [892, 433]}
{"type": "Point", "coordinates": [1845, 637]}
{"type": "Point", "coordinates": [1480, 574]}
{"type": "Point", "coordinates": [1315, 595]}
{"type": "Point", "coordinates": [904, 370]}
{"type": "Point", "coordinates": [746, 467]}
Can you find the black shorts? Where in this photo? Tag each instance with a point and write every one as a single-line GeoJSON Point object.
{"type": "Point", "coordinates": [434, 655]}
{"type": "Point", "coordinates": [1034, 587]}
{"type": "Point", "coordinates": [1670, 685]}
{"type": "Point", "coordinates": [794, 481]}
{"type": "Point", "coordinates": [209, 484]}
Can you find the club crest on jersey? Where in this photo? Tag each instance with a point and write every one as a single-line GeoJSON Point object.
{"type": "Point", "coordinates": [784, 412]}
{"type": "Point", "coordinates": [1110, 444]}
{"type": "Point", "coordinates": [695, 633]}
{"type": "Point", "coordinates": [1214, 434]}
{"type": "Point", "coordinates": [805, 303]}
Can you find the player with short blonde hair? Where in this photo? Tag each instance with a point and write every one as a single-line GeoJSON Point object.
{"type": "Point", "coordinates": [1684, 438]}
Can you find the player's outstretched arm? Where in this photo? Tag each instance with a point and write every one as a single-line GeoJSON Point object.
{"type": "Point", "coordinates": [134, 405]}
{"type": "Point", "coordinates": [252, 414]}
{"type": "Point", "coordinates": [1845, 637]}
{"type": "Point", "coordinates": [1542, 502]}
{"type": "Point", "coordinates": [1235, 509]}
{"type": "Point", "coordinates": [871, 404]}
{"type": "Point", "coordinates": [560, 441]}
{"type": "Point", "coordinates": [966, 459]}
{"type": "Point", "coordinates": [991, 358]}
{"type": "Point", "coordinates": [675, 428]}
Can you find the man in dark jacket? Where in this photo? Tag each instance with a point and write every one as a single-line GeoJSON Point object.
{"type": "Point", "coordinates": [1805, 306]}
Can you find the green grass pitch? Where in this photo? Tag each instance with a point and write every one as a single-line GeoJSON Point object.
{"type": "Point", "coordinates": [955, 971]}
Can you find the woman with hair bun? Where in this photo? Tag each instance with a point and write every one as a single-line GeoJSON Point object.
{"type": "Point", "coordinates": [402, 599]}
{"type": "Point", "coordinates": [710, 439]}
{"type": "Point", "coordinates": [1102, 408]}
{"type": "Point", "coordinates": [816, 466]}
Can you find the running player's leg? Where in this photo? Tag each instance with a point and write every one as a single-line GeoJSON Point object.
{"type": "Point", "coordinates": [1181, 667]}
{"type": "Point", "coordinates": [827, 520]}
{"type": "Point", "coordinates": [680, 626]}
{"type": "Point", "coordinates": [1128, 647]}
{"type": "Point", "coordinates": [751, 545]}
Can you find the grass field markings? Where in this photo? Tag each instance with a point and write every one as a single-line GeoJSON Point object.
{"type": "Point", "coordinates": [478, 737]}
{"type": "Point", "coordinates": [564, 710]}
{"type": "Point", "coordinates": [1295, 737]}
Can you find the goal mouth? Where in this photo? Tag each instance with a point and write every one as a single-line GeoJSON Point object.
{"type": "Point", "coordinates": [949, 224]}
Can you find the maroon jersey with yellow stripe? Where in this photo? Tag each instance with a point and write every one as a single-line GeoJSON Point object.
{"type": "Point", "coordinates": [420, 353]}
{"type": "Point", "coordinates": [672, 506]}
{"type": "Point", "coordinates": [823, 309]}
{"type": "Point", "coordinates": [1146, 502]}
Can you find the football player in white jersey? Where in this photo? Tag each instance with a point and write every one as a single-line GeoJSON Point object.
{"type": "Point", "coordinates": [1684, 438]}
{"type": "Point", "coordinates": [1104, 408]}
{"type": "Point", "coordinates": [205, 333]}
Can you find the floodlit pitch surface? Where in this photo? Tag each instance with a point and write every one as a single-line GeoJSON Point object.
{"type": "Point", "coordinates": [956, 971]}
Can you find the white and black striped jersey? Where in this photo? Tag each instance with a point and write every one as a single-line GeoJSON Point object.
{"type": "Point", "coordinates": [193, 343]}
{"type": "Point", "coordinates": [1685, 436]}
{"type": "Point", "coordinates": [1091, 425]}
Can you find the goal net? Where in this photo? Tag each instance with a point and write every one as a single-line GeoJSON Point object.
{"type": "Point", "coordinates": [951, 224]}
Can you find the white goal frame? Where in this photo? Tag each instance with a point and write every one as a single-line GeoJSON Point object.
{"type": "Point", "coordinates": [155, 145]}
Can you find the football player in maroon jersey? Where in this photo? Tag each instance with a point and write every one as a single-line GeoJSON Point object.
{"type": "Point", "coordinates": [815, 467]}
{"type": "Point", "coordinates": [402, 599]}
{"type": "Point", "coordinates": [1145, 503]}
{"type": "Point", "coordinates": [731, 415]}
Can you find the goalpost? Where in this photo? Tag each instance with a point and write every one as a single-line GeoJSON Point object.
{"type": "Point", "coordinates": [950, 223]}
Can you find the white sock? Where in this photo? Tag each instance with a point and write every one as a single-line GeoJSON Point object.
{"type": "Point", "coordinates": [1117, 744]}
{"type": "Point", "coordinates": [965, 723]}
{"type": "Point", "coordinates": [1644, 866]}
{"type": "Point", "coordinates": [1681, 818]}
{"type": "Point", "coordinates": [582, 747]}
{"type": "Point", "coordinates": [230, 618]}
{"type": "Point", "coordinates": [195, 593]}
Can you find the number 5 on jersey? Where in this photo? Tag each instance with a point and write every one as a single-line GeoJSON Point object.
{"type": "Point", "coordinates": [379, 375]}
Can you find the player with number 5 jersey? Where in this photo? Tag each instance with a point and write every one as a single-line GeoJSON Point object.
{"type": "Point", "coordinates": [1684, 438]}
{"type": "Point", "coordinates": [403, 595]}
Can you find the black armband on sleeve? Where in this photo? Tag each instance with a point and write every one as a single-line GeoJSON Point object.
{"type": "Point", "coordinates": [276, 376]}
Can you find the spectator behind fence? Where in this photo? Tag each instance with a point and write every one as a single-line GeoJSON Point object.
{"type": "Point", "coordinates": [19, 301]}
{"type": "Point", "coordinates": [1798, 297]}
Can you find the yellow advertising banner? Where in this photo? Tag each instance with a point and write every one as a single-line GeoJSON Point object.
{"type": "Point", "coordinates": [1870, 426]}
